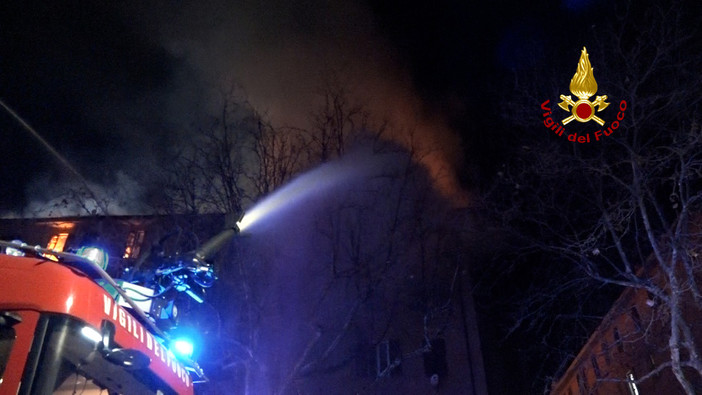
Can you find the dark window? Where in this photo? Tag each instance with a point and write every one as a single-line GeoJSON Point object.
{"type": "Point", "coordinates": [595, 366]}
{"type": "Point", "coordinates": [618, 340]}
{"type": "Point", "coordinates": [637, 318]}
{"type": "Point", "coordinates": [582, 384]}
{"type": "Point", "coordinates": [605, 352]}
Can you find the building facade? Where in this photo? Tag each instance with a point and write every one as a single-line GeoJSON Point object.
{"type": "Point", "coordinates": [127, 239]}
{"type": "Point", "coordinates": [629, 353]}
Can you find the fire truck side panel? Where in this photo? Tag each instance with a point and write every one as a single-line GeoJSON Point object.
{"type": "Point", "coordinates": [45, 286]}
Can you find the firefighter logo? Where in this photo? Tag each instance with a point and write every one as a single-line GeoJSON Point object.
{"type": "Point", "coordinates": [583, 86]}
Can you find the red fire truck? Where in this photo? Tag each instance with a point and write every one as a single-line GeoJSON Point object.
{"type": "Point", "coordinates": [64, 330]}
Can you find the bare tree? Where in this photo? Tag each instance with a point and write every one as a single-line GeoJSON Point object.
{"type": "Point", "coordinates": [279, 155]}
{"type": "Point", "coordinates": [208, 174]}
{"type": "Point", "coordinates": [622, 213]}
{"type": "Point", "coordinates": [336, 120]}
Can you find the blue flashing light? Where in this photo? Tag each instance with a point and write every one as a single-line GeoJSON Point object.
{"type": "Point", "coordinates": [182, 347]}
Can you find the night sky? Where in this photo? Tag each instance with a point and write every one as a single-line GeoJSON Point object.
{"type": "Point", "coordinates": [110, 85]}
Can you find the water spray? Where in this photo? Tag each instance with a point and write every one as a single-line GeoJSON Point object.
{"type": "Point", "coordinates": [318, 180]}
{"type": "Point", "coordinates": [55, 153]}
{"type": "Point", "coordinates": [289, 194]}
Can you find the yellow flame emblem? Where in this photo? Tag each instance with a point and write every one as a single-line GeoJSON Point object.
{"type": "Point", "coordinates": [583, 85]}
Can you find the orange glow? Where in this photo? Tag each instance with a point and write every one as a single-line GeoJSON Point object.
{"type": "Point", "coordinates": [134, 240]}
{"type": "Point", "coordinates": [57, 243]}
{"type": "Point", "coordinates": [436, 147]}
{"type": "Point", "coordinates": [426, 135]}
{"type": "Point", "coordinates": [64, 225]}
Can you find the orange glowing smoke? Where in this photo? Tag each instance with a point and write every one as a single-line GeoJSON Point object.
{"type": "Point", "coordinates": [432, 143]}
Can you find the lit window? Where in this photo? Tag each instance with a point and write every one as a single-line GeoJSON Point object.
{"type": "Point", "coordinates": [57, 242]}
{"type": "Point", "coordinates": [631, 383]}
{"type": "Point", "coordinates": [134, 240]}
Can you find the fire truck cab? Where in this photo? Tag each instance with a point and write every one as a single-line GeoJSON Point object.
{"type": "Point", "coordinates": [62, 332]}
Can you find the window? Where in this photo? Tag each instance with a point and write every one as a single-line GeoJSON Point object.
{"type": "Point", "coordinates": [57, 242]}
{"type": "Point", "coordinates": [582, 383]}
{"type": "Point", "coordinates": [134, 241]}
{"type": "Point", "coordinates": [618, 340]}
{"type": "Point", "coordinates": [605, 352]}
{"type": "Point", "coordinates": [595, 366]}
{"type": "Point", "coordinates": [636, 318]}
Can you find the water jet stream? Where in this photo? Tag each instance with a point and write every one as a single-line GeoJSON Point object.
{"type": "Point", "coordinates": [51, 149]}
{"type": "Point", "coordinates": [318, 180]}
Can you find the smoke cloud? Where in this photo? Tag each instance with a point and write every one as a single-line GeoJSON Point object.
{"type": "Point", "coordinates": [120, 83]}
{"type": "Point", "coordinates": [121, 195]}
{"type": "Point", "coordinates": [282, 52]}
